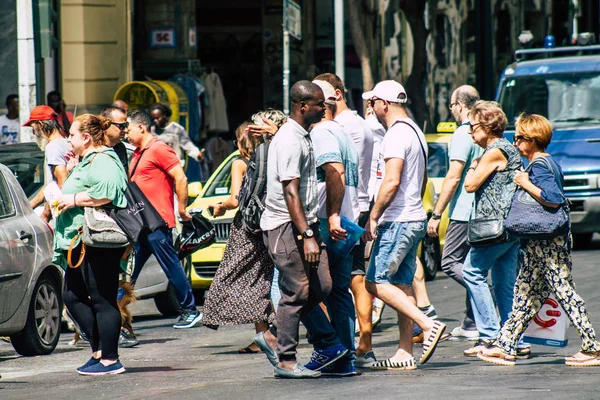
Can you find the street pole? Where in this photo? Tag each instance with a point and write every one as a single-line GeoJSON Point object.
{"type": "Point", "coordinates": [286, 72]}
{"type": "Point", "coordinates": [338, 12]}
{"type": "Point", "coordinates": [26, 65]}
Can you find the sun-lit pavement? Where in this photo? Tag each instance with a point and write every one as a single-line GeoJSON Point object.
{"type": "Point", "coordinates": [201, 363]}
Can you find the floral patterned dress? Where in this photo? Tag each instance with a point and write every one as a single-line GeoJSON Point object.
{"type": "Point", "coordinates": [240, 291]}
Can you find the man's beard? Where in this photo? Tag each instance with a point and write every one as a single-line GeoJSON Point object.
{"type": "Point", "coordinates": [41, 141]}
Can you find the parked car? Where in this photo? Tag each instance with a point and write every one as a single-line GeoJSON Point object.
{"type": "Point", "coordinates": [206, 261]}
{"type": "Point", "coordinates": [563, 84]}
{"type": "Point", "coordinates": [26, 162]}
{"type": "Point", "coordinates": [30, 284]}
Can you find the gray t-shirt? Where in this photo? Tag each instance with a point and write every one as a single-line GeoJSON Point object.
{"type": "Point", "coordinates": [290, 156]}
{"type": "Point", "coordinates": [56, 154]}
{"type": "Point", "coordinates": [177, 138]}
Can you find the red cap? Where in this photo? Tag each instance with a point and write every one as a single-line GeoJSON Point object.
{"type": "Point", "coordinates": [41, 113]}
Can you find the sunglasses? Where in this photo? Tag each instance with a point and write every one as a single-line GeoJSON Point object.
{"type": "Point", "coordinates": [473, 126]}
{"type": "Point", "coordinates": [371, 102]}
{"type": "Point", "coordinates": [518, 138]}
{"type": "Point", "coordinates": [121, 125]}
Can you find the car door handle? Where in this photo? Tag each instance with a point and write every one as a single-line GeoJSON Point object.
{"type": "Point", "coordinates": [25, 236]}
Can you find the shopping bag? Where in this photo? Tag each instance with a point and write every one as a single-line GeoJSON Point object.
{"type": "Point", "coordinates": [549, 326]}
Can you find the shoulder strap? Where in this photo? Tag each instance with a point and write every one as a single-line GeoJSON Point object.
{"type": "Point", "coordinates": [138, 161]}
{"type": "Point", "coordinates": [418, 138]}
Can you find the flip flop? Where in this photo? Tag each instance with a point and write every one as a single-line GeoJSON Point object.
{"type": "Point", "coordinates": [431, 342]}
{"type": "Point", "coordinates": [248, 350]}
{"type": "Point", "coordinates": [390, 364]}
{"type": "Point", "coordinates": [583, 360]}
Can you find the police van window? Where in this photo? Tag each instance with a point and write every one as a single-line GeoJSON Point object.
{"type": "Point", "coordinates": [565, 99]}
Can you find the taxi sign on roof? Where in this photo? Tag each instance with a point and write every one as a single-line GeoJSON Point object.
{"type": "Point", "coordinates": [446, 127]}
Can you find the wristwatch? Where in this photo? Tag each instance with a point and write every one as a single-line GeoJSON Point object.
{"type": "Point", "coordinates": [435, 216]}
{"type": "Point", "coordinates": [307, 234]}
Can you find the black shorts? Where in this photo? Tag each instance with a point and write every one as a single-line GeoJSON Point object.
{"type": "Point", "coordinates": [358, 263]}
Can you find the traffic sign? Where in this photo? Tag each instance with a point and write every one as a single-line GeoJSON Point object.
{"type": "Point", "coordinates": [292, 18]}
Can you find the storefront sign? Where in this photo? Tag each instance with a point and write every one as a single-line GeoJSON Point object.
{"type": "Point", "coordinates": [163, 37]}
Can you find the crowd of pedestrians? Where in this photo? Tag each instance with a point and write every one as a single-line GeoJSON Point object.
{"type": "Point", "coordinates": [329, 173]}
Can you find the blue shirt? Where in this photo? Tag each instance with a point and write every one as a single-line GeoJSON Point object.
{"type": "Point", "coordinates": [462, 148]}
{"type": "Point", "coordinates": [543, 178]}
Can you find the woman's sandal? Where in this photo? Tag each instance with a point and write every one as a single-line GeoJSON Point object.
{"type": "Point", "coordinates": [249, 350]}
{"type": "Point", "coordinates": [390, 364]}
{"type": "Point", "coordinates": [496, 355]}
{"type": "Point", "coordinates": [582, 359]}
{"type": "Point", "coordinates": [431, 341]}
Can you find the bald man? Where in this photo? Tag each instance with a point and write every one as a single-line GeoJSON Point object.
{"type": "Point", "coordinates": [291, 230]}
{"type": "Point", "coordinates": [462, 152]}
{"type": "Point", "coordinates": [121, 104]}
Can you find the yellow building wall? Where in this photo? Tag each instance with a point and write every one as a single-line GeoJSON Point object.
{"type": "Point", "coordinates": [95, 51]}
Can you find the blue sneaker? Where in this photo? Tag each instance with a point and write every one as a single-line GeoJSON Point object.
{"type": "Point", "coordinates": [101, 369]}
{"type": "Point", "coordinates": [188, 319]}
{"type": "Point", "coordinates": [341, 367]}
{"type": "Point", "coordinates": [89, 363]}
{"type": "Point", "coordinates": [322, 358]}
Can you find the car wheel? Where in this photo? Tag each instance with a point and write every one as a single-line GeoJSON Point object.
{"type": "Point", "coordinates": [167, 303]}
{"type": "Point", "coordinates": [431, 257]}
{"type": "Point", "coordinates": [42, 329]}
{"type": "Point", "coordinates": [582, 241]}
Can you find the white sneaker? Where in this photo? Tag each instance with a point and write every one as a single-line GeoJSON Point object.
{"type": "Point", "coordinates": [365, 361]}
{"type": "Point", "coordinates": [459, 332]}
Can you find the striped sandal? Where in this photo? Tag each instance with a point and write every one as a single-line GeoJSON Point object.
{"type": "Point", "coordinates": [431, 342]}
{"type": "Point", "coordinates": [390, 364]}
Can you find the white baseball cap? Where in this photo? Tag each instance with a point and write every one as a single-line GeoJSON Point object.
{"type": "Point", "coordinates": [389, 90]}
{"type": "Point", "coordinates": [328, 91]}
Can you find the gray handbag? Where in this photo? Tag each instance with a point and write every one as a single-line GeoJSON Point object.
{"type": "Point", "coordinates": [100, 230]}
{"type": "Point", "coordinates": [486, 231]}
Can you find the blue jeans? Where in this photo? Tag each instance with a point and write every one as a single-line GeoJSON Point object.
{"type": "Point", "coordinates": [340, 307]}
{"type": "Point", "coordinates": [502, 260]}
{"type": "Point", "coordinates": [160, 243]}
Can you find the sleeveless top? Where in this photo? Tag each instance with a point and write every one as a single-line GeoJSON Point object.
{"type": "Point", "coordinates": [494, 196]}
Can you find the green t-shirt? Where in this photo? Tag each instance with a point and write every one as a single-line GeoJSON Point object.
{"type": "Point", "coordinates": [101, 175]}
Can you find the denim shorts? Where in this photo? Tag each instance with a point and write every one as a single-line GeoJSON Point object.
{"type": "Point", "coordinates": [394, 257]}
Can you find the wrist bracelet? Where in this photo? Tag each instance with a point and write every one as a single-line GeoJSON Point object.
{"type": "Point", "coordinates": [74, 202]}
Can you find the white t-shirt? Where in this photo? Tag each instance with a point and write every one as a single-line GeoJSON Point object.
{"type": "Point", "coordinates": [56, 154]}
{"type": "Point", "coordinates": [290, 156]}
{"type": "Point", "coordinates": [401, 141]}
{"type": "Point", "coordinates": [378, 134]}
{"type": "Point", "coordinates": [362, 137]}
{"type": "Point", "coordinates": [332, 145]}
{"type": "Point", "coordinates": [10, 130]}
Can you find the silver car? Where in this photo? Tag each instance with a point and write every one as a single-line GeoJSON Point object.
{"type": "Point", "coordinates": [30, 285]}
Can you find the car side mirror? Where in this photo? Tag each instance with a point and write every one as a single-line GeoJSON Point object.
{"type": "Point", "coordinates": [194, 189]}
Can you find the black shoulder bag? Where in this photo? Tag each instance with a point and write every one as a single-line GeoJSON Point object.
{"type": "Point", "coordinates": [139, 216]}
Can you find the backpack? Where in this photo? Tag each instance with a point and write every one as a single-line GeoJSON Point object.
{"type": "Point", "coordinates": [254, 189]}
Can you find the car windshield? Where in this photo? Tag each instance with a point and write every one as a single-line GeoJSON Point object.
{"type": "Point", "coordinates": [222, 182]}
{"type": "Point", "coordinates": [26, 161]}
{"type": "Point", "coordinates": [565, 99]}
{"type": "Point", "coordinates": [437, 160]}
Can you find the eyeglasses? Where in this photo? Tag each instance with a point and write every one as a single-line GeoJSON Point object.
{"type": "Point", "coordinates": [518, 138]}
{"type": "Point", "coordinates": [452, 105]}
{"type": "Point", "coordinates": [473, 126]}
{"type": "Point", "coordinates": [121, 125]}
{"type": "Point", "coordinates": [235, 143]}
{"type": "Point", "coordinates": [371, 102]}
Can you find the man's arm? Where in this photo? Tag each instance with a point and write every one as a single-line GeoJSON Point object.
{"type": "Point", "coordinates": [294, 204]}
{"type": "Point", "coordinates": [449, 186]}
{"type": "Point", "coordinates": [181, 190]}
{"type": "Point", "coordinates": [335, 186]}
{"type": "Point", "coordinates": [387, 192]}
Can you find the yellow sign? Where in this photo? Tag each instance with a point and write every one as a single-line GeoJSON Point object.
{"type": "Point", "coordinates": [446, 127]}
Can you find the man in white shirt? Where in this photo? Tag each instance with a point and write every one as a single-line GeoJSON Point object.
{"type": "Point", "coordinates": [361, 135]}
{"type": "Point", "coordinates": [9, 123]}
{"type": "Point", "coordinates": [397, 223]}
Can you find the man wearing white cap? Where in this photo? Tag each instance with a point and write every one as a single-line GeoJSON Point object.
{"type": "Point", "coordinates": [398, 222]}
{"type": "Point", "coordinates": [337, 184]}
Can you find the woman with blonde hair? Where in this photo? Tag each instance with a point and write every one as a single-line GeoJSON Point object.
{"type": "Point", "coordinates": [90, 292]}
{"type": "Point", "coordinates": [545, 264]}
{"type": "Point", "coordinates": [240, 291]}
